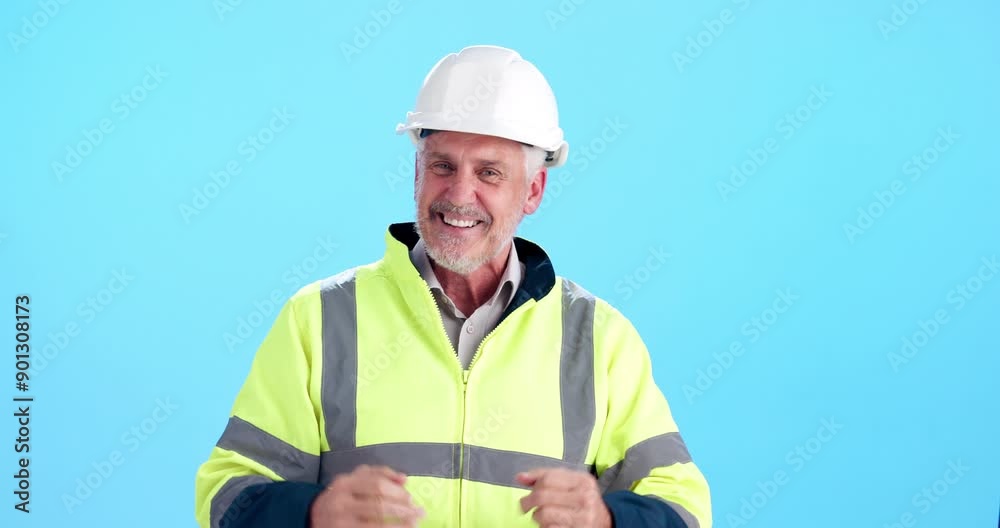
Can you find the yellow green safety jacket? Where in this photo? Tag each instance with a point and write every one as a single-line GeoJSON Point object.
{"type": "Point", "coordinates": [357, 369]}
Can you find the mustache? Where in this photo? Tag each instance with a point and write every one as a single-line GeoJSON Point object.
{"type": "Point", "coordinates": [445, 207]}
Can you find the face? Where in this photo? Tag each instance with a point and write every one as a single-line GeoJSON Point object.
{"type": "Point", "coordinates": [471, 194]}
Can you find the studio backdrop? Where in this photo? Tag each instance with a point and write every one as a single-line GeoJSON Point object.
{"type": "Point", "coordinates": [794, 202]}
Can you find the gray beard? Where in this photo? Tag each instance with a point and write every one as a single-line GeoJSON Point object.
{"type": "Point", "coordinates": [466, 264]}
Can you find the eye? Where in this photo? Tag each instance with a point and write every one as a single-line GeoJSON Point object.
{"type": "Point", "coordinates": [441, 166]}
{"type": "Point", "coordinates": [490, 174]}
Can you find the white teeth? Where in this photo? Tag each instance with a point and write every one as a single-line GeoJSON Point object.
{"type": "Point", "coordinates": [459, 223]}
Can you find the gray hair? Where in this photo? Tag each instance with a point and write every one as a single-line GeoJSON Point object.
{"type": "Point", "coordinates": [534, 158]}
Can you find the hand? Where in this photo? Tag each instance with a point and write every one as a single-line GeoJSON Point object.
{"type": "Point", "coordinates": [367, 496]}
{"type": "Point", "coordinates": [564, 498]}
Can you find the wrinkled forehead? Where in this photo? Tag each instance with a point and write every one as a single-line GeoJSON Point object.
{"type": "Point", "coordinates": [457, 146]}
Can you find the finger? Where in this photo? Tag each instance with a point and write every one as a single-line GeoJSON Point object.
{"type": "Point", "coordinates": [532, 477]}
{"type": "Point", "coordinates": [554, 516]}
{"type": "Point", "coordinates": [545, 497]}
{"type": "Point", "coordinates": [388, 472]}
{"type": "Point", "coordinates": [550, 477]}
{"type": "Point", "coordinates": [367, 480]}
{"type": "Point", "coordinates": [528, 478]}
{"type": "Point", "coordinates": [374, 510]}
{"type": "Point", "coordinates": [361, 501]}
{"type": "Point", "coordinates": [387, 513]}
{"type": "Point", "coordinates": [381, 487]}
{"type": "Point", "coordinates": [376, 502]}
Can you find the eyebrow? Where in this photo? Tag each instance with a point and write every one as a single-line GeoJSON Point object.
{"type": "Point", "coordinates": [478, 161]}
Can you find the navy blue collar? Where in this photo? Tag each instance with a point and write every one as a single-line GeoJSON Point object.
{"type": "Point", "coordinates": [539, 276]}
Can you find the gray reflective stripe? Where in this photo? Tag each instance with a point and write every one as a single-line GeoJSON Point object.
{"type": "Point", "coordinates": [494, 466]}
{"type": "Point", "coordinates": [339, 399]}
{"type": "Point", "coordinates": [690, 520]}
{"type": "Point", "coordinates": [289, 462]}
{"type": "Point", "coordinates": [339, 389]}
{"type": "Point", "coordinates": [412, 458]}
{"type": "Point", "coordinates": [224, 498]}
{"type": "Point", "coordinates": [657, 451]}
{"type": "Point", "coordinates": [576, 372]}
{"type": "Point", "coordinates": [481, 464]}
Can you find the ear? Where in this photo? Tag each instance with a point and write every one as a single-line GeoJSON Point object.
{"type": "Point", "coordinates": [535, 191]}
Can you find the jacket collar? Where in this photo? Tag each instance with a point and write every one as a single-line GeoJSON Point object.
{"type": "Point", "coordinates": [539, 276]}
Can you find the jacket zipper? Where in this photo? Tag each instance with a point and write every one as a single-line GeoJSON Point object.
{"type": "Point", "coordinates": [461, 443]}
{"type": "Point", "coordinates": [475, 356]}
{"type": "Point", "coordinates": [486, 338]}
{"type": "Point", "coordinates": [465, 387]}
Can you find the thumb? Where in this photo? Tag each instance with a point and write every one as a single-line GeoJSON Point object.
{"type": "Point", "coordinates": [527, 478]}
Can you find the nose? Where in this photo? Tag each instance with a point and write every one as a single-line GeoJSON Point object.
{"type": "Point", "coordinates": [462, 187]}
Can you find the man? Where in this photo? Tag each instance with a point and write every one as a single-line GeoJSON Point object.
{"type": "Point", "coordinates": [458, 381]}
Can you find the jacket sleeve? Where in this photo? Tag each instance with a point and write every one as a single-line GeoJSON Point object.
{"type": "Point", "coordinates": [643, 465]}
{"type": "Point", "coordinates": [264, 470]}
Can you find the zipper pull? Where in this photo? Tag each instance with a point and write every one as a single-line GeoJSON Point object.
{"type": "Point", "coordinates": [465, 376]}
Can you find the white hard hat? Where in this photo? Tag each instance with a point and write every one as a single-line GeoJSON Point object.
{"type": "Point", "coordinates": [492, 91]}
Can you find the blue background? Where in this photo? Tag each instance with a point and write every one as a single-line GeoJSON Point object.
{"type": "Point", "coordinates": [337, 173]}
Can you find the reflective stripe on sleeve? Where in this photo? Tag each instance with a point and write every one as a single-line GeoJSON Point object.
{"type": "Point", "coordinates": [690, 520]}
{"type": "Point", "coordinates": [224, 498]}
{"type": "Point", "coordinates": [289, 462]}
{"type": "Point", "coordinates": [658, 451]}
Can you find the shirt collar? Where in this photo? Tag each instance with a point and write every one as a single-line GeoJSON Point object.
{"type": "Point", "coordinates": [509, 281]}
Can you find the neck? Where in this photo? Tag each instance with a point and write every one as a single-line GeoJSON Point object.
{"type": "Point", "coordinates": [471, 291]}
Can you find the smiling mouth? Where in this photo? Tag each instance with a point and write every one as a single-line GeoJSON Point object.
{"type": "Point", "coordinates": [458, 222]}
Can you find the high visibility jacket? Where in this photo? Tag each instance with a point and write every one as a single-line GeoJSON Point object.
{"type": "Point", "coordinates": [357, 369]}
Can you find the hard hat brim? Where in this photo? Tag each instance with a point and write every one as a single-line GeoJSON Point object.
{"type": "Point", "coordinates": [547, 140]}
